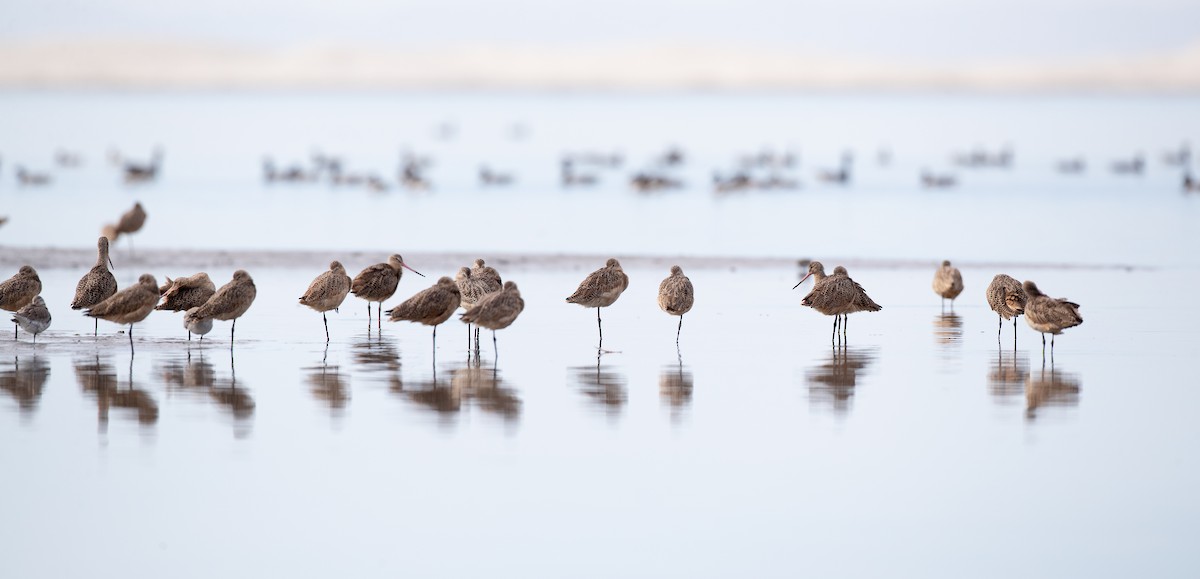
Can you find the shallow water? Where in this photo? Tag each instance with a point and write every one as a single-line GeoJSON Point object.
{"type": "Point", "coordinates": [211, 195]}
{"type": "Point", "coordinates": [925, 446]}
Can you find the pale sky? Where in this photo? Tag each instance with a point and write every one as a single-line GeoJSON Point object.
{"type": "Point", "coordinates": [939, 31]}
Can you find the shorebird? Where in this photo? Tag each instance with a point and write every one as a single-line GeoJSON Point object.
{"type": "Point", "coordinates": [34, 317]}
{"type": "Point", "coordinates": [19, 290]}
{"type": "Point", "coordinates": [473, 284]}
{"type": "Point", "coordinates": [97, 285]}
{"type": "Point", "coordinates": [130, 305]}
{"type": "Point", "coordinates": [196, 325]}
{"type": "Point", "coordinates": [948, 283]}
{"type": "Point", "coordinates": [24, 177]}
{"type": "Point", "coordinates": [144, 171]}
{"type": "Point", "coordinates": [130, 222]}
{"type": "Point", "coordinates": [836, 295]}
{"type": "Point", "coordinates": [1007, 298]}
{"type": "Point", "coordinates": [430, 306]}
{"type": "Point", "coordinates": [377, 283]}
{"type": "Point", "coordinates": [184, 293]}
{"type": "Point", "coordinates": [1049, 315]}
{"type": "Point", "coordinates": [327, 292]}
{"type": "Point", "coordinates": [496, 310]}
{"type": "Point", "coordinates": [675, 296]}
{"type": "Point", "coordinates": [600, 289]}
{"type": "Point", "coordinates": [229, 303]}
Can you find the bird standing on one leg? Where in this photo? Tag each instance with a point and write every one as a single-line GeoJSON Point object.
{"type": "Point", "coordinates": [676, 295]}
{"type": "Point", "coordinates": [327, 292]}
{"type": "Point", "coordinates": [600, 289]}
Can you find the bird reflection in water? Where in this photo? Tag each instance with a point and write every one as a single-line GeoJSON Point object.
{"type": "Point", "coordinates": [947, 334]}
{"type": "Point", "coordinates": [193, 373]}
{"type": "Point", "coordinates": [1050, 387]}
{"type": "Point", "coordinates": [675, 388]}
{"type": "Point", "coordinates": [329, 386]}
{"type": "Point", "coordinates": [377, 358]}
{"type": "Point", "coordinates": [25, 382]}
{"type": "Point", "coordinates": [470, 384]}
{"type": "Point", "coordinates": [833, 382]}
{"type": "Point", "coordinates": [99, 379]}
{"type": "Point", "coordinates": [604, 387]}
{"type": "Point", "coordinates": [1006, 377]}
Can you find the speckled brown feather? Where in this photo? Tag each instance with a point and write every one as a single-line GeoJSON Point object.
{"type": "Point", "coordinates": [19, 290]}
{"type": "Point", "coordinates": [328, 290]}
{"type": "Point", "coordinates": [675, 293]}
{"type": "Point", "coordinates": [430, 306]}
{"type": "Point", "coordinates": [601, 287]}
{"type": "Point", "coordinates": [231, 300]}
{"type": "Point", "coordinates": [497, 310]}
{"type": "Point", "coordinates": [130, 305]}
{"type": "Point", "coordinates": [98, 284]}
{"type": "Point", "coordinates": [188, 292]}
{"type": "Point", "coordinates": [378, 282]}
{"type": "Point", "coordinates": [132, 221]}
{"type": "Point", "coordinates": [1049, 315]}
{"type": "Point", "coordinates": [947, 281]}
{"type": "Point", "coordinates": [1006, 296]}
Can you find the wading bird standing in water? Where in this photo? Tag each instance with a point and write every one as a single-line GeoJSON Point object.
{"type": "Point", "coordinates": [675, 296]}
{"type": "Point", "coordinates": [600, 289]}
{"type": "Point", "coordinates": [377, 283]}
{"type": "Point", "coordinates": [97, 285]}
{"type": "Point", "coordinates": [430, 306]}
{"type": "Point", "coordinates": [948, 283]}
{"type": "Point", "coordinates": [327, 292]}
{"type": "Point", "coordinates": [229, 303]}
{"type": "Point", "coordinates": [1007, 298]}
{"type": "Point", "coordinates": [496, 310]}
{"type": "Point", "coordinates": [1049, 315]}
{"type": "Point", "coordinates": [19, 290]}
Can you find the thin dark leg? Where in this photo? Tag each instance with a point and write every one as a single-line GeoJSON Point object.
{"type": "Point", "coordinates": [189, 335]}
{"type": "Point", "coordinates": [845, 323]}
{"type": "Point", "coordinates": [378, 316]}
{"type": "Point", "coordinates": [15, 329]}
{"type": "Point", "coordinates": [1000, 329]}
{"type": "Point", "coordinates": [601, 328]}
{"type": "Point", "coordinates": [435, 338]}
{"type": "Point", "coordinates": [495, 349]}
{"type": "Point", "coordinates": [231, 329]}
{"type": "Point", "coordinates": [95, 327]}
{"type": "Point", "coordinates": [468, 337]}
{"type": "Point", "coordinates": [680, 329]}
{"type": "Point", "coordinates": [326, 327]}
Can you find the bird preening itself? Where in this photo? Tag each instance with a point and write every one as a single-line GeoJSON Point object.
{"type": "Point", "coordinates": [474, 283]}
{"type": "Point", "coordinates": [676, 295]}
{"type": "Point", "coordinates": [600, 289]}
{"type": "Point", "coordinates": [836, 295]}
{"type": "Point", "coordinates": [948, 283]}
{"type": "Point", "coordinates": [1049, 315]}
{"type": "Point", "coordinates": [1007, 298]}
{"type": "Point", "coordinates": [185, 293]}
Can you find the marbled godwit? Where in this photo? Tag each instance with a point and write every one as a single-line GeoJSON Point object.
{"type": "Point", "coordinates": [196, 325]}
{"type": "Point", "coordinates": [34, 317]}
{"type": "Point", "coordinates": [19, 290]}
{"type": "Point", "coordinates": [861, 302]}
{"type": "Point", "coordinates": [129, 223]}
{"type": "Point", "coordinates": [130, 305]}
{"type": "Point", "coordinates": [836, 295]}
{"type": "Point", "coordinates": [377, 283]}
{"type": "Point", "coordinates": [229, 303]}
{"type": "Point", "coordinates": [675, 296]}
{"type": "Point", "coordinates": [475, 283]}
{"type": "Point", "coordinates": [97, 285]}
{"type": "Point", "coordinates": [185, 293]}
{"type": "Point", "coordinates": [600, 289]}
{"type": "Point", "coordinates": [1049, 315]}
{"type": "Point", "coordinates": [1006, 297]}
{"type": "Point", "coordinates": [948, 283]}
{"type": "Point", "coordinates": [430, 306]}
{"type": "Point", "coordinates": [496, 310]}
{"type": "Point", "coordinates": [327, 292]}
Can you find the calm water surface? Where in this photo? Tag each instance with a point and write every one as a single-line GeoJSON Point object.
{"type": "Point", "coordinates": [923, 446]}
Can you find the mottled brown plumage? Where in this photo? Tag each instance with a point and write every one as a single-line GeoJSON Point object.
{"type": "Point", "coordinates": [19, 290]}
{"type": "Point", "coordinates": [130, 305]}
{"type": "Point", "coordinates": [377, 283]}
{"type": "Point", "coordinates": [185, 293]}
{"type": "Point", "coordinates": [34, 317]}
{"type": "Point", "coordinates": [328, 291]}
{"type": "Point", "coordinates": [676, 296]}
{"type": "Point", "coordinates": [600, 289]}
{"type": "Point", "coordinates": [430, 306]}
{"type": "Point", "coordinates": [487, 273]}
{"type": "Point", "coordinates": [98, 284]}
{"type": "Point", "coordinates": [1007, 298]}
{"type": "Point", "coordinates": [132, 221]}
{"type": "Point", "coordinates": [229, 303]}
{"type": "Point", "coordinates": [496, 310]}
{"type": "Point", "coordinates": [948, 282]}
{"type": "Point", "coordinates": [837, 295]}
{"type": "Point", "coordinates": [1049, 315]}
